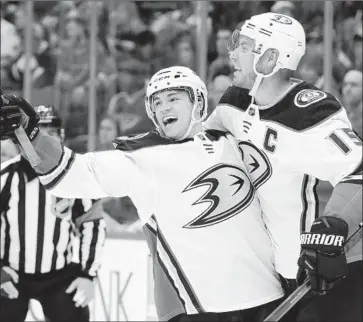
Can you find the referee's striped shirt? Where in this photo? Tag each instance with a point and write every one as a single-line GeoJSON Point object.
{"type": "Point", "coordinates": [37, 230]}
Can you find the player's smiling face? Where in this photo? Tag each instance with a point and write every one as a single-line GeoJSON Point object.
{"type": "Point", "coordinates": [242, 58]}
{"type": "Point", "coordinates": [173, 109]}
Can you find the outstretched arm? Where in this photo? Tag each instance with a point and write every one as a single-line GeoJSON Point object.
{"type": "Point", "coordinates": [63, 172]}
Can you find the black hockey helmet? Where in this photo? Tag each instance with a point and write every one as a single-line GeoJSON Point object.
{"type": "Point", "coordinates": [49, 117]}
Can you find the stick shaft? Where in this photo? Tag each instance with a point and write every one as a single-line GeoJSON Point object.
{"type": "Point", "coordinates": [28, 148]}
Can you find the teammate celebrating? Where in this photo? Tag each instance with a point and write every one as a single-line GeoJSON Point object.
{"type": "Point", "coordinates": [292, 134]}
{"type": "Point", "coordinates": [37, 242]}
{"type": "Point", "coordinates": [212, 254]}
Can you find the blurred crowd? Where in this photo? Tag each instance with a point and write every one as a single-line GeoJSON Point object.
{"type": "Point", "coordinates": [136, 38]}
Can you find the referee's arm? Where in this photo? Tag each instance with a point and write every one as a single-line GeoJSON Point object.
{"type": "Point", "coordinates": [88, 217]}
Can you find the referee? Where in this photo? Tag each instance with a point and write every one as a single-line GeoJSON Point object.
{"type": "Point", "coordinates": [37, 232]}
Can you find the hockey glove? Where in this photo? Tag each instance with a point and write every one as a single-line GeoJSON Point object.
{"type": "Point", "coordinates": [322, 256]}
{"type": "Point", "coordinates": [15, 111]}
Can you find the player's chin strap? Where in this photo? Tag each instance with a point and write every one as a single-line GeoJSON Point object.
{"type": "Point", "coordinates": [193, 121]}
{"type": "Point", "coordinates": [261, 76]}
{"type": "Point", "coordinates": [251, 110]}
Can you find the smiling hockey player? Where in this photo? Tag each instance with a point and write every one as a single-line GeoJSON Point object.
{"type": "Point", "coordinates": [213, 258]}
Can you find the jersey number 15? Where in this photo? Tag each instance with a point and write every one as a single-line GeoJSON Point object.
{"type": "Point", "coordinates": [336, 138]}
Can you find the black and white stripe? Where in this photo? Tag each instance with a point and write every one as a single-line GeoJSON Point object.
{"type": "Point", "coordinates": [178, 281]}
{"type": "Point", "coordinates": [51, 178]}
{"type": "Point", "coordinates": [33, 239]}
{"type": "Point", "coordinates": [310, 202]}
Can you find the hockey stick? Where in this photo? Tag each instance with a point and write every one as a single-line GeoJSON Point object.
{"type": "Point", "coordinates": [28, 148]}
{"type": "Point", "coordinates": [304, 288]}
{"type": "Point", "coordinates": [25, 143]}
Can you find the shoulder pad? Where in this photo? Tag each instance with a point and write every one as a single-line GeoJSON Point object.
{"type": "Point", "coordinates": [139, 141]}
{"type": "Point", "coordinates": [303, 107]}
{"type": "Point", "coordinates": [237, 97]}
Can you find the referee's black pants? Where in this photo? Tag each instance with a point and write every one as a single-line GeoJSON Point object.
{"type": "Point", "coordinates": [49, 290]}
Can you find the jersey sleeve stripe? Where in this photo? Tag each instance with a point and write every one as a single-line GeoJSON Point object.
{"type": "Point", "coordinates": [352, 180]}
{"type": "Point", "coordinates": [358, 170]}
{"type": "Point", "coordinates": [50, 175]}
{"type": "Point", "coordinates": [310, 202]}
{"type": "Point", "coordinates": [52, 179]}
{"type": "Point", "coordinates": [60, 162]}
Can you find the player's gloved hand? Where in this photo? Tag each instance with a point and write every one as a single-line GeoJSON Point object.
{"type": "Point", "coordinates": [16, 111]}
{"type": "Point", "coordinates": [8, 278]}
{"type": "Point", "coordinates": [322, 256]}
{"type": "Point", "coordinates": [84, 291]}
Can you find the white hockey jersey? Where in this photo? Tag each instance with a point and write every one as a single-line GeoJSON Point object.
{"type": "Point", "coordinates": [203, 224]}
{"type": "Point", "coordinates": [287, 146]}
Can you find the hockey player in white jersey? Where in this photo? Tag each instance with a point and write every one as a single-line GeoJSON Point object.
{"type": "Point", "coordinates": [292, 134]}
{"type": "Point", "coordinates": [212, 255]}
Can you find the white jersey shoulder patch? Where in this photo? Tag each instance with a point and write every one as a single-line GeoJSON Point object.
{"type": "Point", "coordinates": [306, 97]}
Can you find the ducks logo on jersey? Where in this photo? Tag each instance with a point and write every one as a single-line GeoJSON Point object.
{"type": "Point", "coordinates": [229, 192]}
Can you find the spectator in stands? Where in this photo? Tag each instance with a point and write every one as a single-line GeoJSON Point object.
{"type": "Point", "coordinates": [311, 69]}
{"type": "Point", "coordinates": [73, 67]}
{"type": "Point", "coordinates": [216, 89]}
{"type": "Point", "coordinates": [43, 62]}
{"type": "Point", "coordinates": [285, 8]}
{"type": "Point", "coordinates": [128, 104]}
{"type": "Point", "coordinates": [182, 50]}
{"type": "Point", "coordinates": [357, 47]}
{"type": "Point", "coordinates": [223, 35]}
{"type": "Point", "coordinates": [352, 98]}
{"type": "Point", "coordinates": [220, 79]}
{"type": "Point", "coordinates": [108, 130]}
{"type": "Point", "coordinates": [146, 51]}
{"type": "Point", "coordinates": [346, 33]}
{"type": "Point", "coordinates": [10, 51]}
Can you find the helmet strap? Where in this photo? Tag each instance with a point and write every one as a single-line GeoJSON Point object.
{"type": "Point", "coordinates": [260, 76]}
{"type": "Point", "coordinates": [193, 121]}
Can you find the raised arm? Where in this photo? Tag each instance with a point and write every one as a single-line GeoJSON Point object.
{"type": "Point", "coordinates": [63, 172]}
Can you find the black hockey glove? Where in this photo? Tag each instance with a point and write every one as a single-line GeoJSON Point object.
{"type": "Point", "coordinates": [16, 111]}
{"type": "Point", "coordinates": [322, 256]}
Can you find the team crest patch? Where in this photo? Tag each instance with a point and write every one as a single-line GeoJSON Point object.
{"type": "Point", "coordinates": [282, 19]}
{"type": "Point", "coordinates": [307, 97]}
